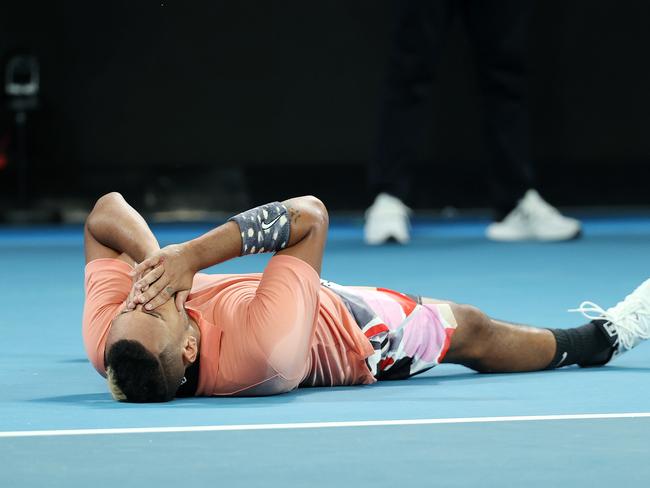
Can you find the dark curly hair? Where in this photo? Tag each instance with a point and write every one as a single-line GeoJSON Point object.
{"type": "Point", "coordinates": [136, 375]}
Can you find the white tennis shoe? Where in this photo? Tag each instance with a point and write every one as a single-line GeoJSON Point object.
{"type": "Point", "coordinates": [628, 322]}
{"type": "Point", "coordinates": [534, 219]}
{"type": "Point", "coordinates": [387, 218]}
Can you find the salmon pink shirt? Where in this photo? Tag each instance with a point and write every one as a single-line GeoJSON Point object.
{"type": "Point", "coordinates": [261, 334]}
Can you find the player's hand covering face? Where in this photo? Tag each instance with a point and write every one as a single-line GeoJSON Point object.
{"type": "Point", "coordinates": [166, 273]}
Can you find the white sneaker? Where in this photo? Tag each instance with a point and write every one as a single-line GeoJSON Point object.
{"type": "Point", "coordinates": [628, 323]}
{"type": "Point", "coordinates": [534, 219]}
{"type": "Point", "coordinates": [387, 218]}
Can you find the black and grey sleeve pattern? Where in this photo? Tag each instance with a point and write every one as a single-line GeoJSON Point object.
{"type": "Point", "coordinates": [263, 229]}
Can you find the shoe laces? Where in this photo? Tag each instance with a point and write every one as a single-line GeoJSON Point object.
{"type": "Point", "coordinates": [625, 317]}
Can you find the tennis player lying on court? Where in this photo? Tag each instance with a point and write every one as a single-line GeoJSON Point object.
{"type": "Point", "coordinates": [162, 330]}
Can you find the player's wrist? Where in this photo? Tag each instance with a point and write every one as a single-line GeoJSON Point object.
{"type": "Point", "coordinates": [147, 250]}
{"type": "Point", "coordinates": [193, 255]}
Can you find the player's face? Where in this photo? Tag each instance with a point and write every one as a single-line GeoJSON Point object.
{"type": "Point", "coordinates": [154, 329]}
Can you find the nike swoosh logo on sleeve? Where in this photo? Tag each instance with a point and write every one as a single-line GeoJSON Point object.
{"type": "Point", "coordinates": [268, 225]}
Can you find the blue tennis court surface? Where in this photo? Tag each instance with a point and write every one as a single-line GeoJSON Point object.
{"type": "Point", "coordinates": [578, 436]}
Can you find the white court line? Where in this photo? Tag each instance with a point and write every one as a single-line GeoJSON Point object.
{"type": "Point", "coordinates": [318, 425]}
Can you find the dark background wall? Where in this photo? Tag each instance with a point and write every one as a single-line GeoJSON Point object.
{"type": "Point", "coordinates": [251, 99]}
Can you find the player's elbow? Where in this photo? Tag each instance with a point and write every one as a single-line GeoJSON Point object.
{"type": "Point", "coordinates": [102, 205]}
{"type": "Point", "coordinates": [108, 199]}
{"type": "Point", "coordinates": [317, 212]}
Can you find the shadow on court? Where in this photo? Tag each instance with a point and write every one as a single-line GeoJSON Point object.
{"type": "Point", "coordinates": [338, 394]}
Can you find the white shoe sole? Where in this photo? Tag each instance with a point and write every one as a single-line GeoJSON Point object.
{"type": "Point", "coordinates": [494, 233]}
{"type": "Point", "coordinates": [377, 239]}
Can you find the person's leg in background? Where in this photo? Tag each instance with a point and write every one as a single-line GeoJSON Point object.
{"type": "Point", "coordinates": [498, 31]}
{"type": "Point", "coordinates": [418, 32]}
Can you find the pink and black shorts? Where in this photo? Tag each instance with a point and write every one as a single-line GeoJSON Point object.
{"type": "Point", "coordinates": [408, 337]}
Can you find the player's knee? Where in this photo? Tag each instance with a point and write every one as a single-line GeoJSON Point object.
{"type": "Point", "coordinates": [470, 316]}
{"type": "Point", "coordinates": [476, 329]}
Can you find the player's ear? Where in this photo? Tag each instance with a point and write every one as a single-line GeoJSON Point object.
{"type": "Point", "coordinates": [190, 350]}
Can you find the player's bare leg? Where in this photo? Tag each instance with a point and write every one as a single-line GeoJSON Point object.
{"type": "Point", "coordinates": [492, 346]}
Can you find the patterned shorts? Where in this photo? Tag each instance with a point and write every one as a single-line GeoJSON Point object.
{"type": "Point", "coordinates": [408, 337]}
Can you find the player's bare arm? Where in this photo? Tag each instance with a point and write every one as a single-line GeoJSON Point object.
{"type": "Point", "coordinates": [169, 271]}
{"type": "Point", "coordinates": [114, 229]}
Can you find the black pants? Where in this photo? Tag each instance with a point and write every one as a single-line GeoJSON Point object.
{"type": "Point", "coordinates": [497, 30]}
